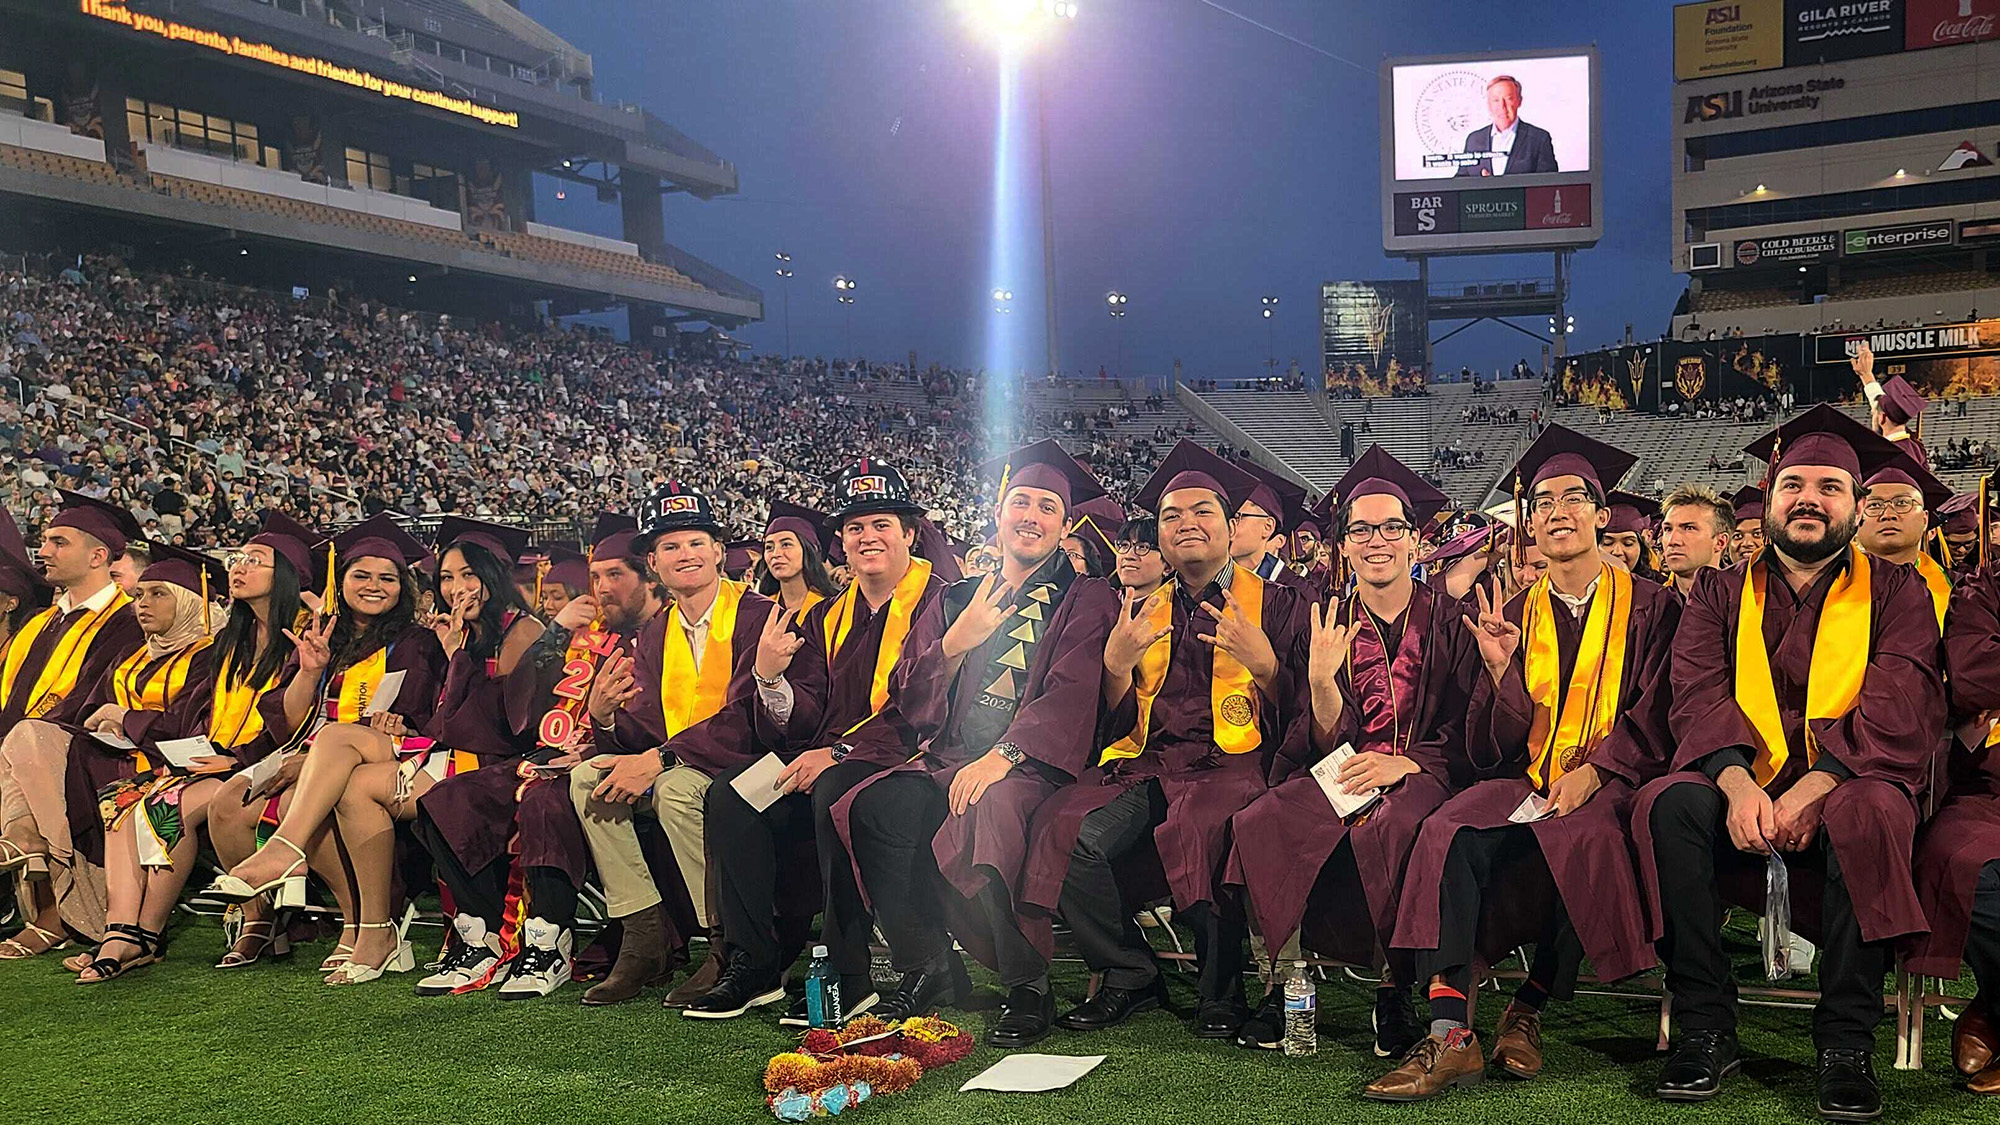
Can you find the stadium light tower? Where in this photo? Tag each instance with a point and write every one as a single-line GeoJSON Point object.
{"type": "Point", "coordinates": [843, 291]}
{"type": "Point", "coordinates": [1003, 301]}
{"type": "Point", "coordinates": [1270, 309]}
{"type": "Point", "coordinates": [785, 272]}
{"type": "Point", "coordinates": [1114, 303]}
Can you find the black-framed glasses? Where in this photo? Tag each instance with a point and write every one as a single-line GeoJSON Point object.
{"type": "Point", "coordinates": [1394, 531]}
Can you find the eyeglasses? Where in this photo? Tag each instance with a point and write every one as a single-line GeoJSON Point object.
{"type": "Point", "coordinates": [242, 560]}
{"type": "Point", "coordinates": [1901, 505]}
{"type": "Point", "coordinates": [1392, 532]}
{"type": "Point", "coordinates": [1568, 502]}
{"type": "Point", "coordinates": [1137, 550]}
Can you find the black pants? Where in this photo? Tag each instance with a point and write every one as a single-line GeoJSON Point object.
{"type": "Point", "coordinates": [747, 845]}
{"type": "Point", "coordinates": [1690, 841]}
{"type": "Point", "coordinates": [1101, 921]}
{"type": "Point", "coordinates": [1469, 867]}
{"type": "Point", "coordinates": [1982, 941]}
{"type": "Point", "coordinates": [892, 824]}
{"type": "Point", "coordinates": [483, 893]}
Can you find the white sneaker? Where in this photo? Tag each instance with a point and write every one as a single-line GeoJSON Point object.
{"type": "Point", "coordinates": [471, 960]}
{"type": "Point", "coordinates": [543, 964]}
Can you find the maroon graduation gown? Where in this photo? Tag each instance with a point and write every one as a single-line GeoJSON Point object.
{"type": "Point", "coordinates": [1285, 838]}
{"type": "Point", "coordinates": [1204, 787]}
{"type": "Point", "coordinates": [1053, 724]}
{"type": "Point", "coordinates": [415, 652]}
{"type": "Point", "coordinates": [1887, 741]}
{"type": "Point", "coordinates": [112, 644]}
{"type": "Point", "coordinates": [1964, 836]}
{"type": "Point", "coordinates": [726, 740]}
{"type": "Point", "coordinates": [494, 718]}
{"type": "Point", "coordinates": [92, 765]}
{"type": "Point", "coordinates": [1587, 852]}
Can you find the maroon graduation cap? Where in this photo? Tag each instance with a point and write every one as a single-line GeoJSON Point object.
{"type": "Point", "coordinates": [109, 524]}
{"type": "Point", "coordinates": [502, 542]}
{"type": "Point", "coordinates": [1900, 402]}
{"type": "Point", "coordinates": [1188, 465]}
{"type": "Point", "coordinates": [294, 541]}
{"type": "Point", "coordinates": [1826, 437]}
{"type": "Point", "coordinates": [1631, 512]}
{"type": "Point", "coordinates": [1376, 473]}
{"type": "Point", "coordinates": [1045, 465]}
{"type": "Point", "coordinates": [380, 537]}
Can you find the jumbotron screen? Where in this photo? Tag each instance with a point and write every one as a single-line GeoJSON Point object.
{"type": "Point", "coordinates": [1491, 117]}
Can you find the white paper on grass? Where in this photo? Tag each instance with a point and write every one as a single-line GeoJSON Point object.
{"type": "Point", "coordinates": [1032, 1074]}
{"type": "Point", "coordinates": [386, 691]}
{"type": "Point", "coordinates": [113, 739]}
{"type": "Point", "coordinates": [758, 785]}
{"type": "Point", "coordinates": [1531, 810]}
{"type": "Point", "coordinates": [183, 751]}
{"type": "Point", "coordinates": [1327, 773]}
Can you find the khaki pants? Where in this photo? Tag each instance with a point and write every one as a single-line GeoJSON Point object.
{"type": "Point", "coordinates": [676, 801]}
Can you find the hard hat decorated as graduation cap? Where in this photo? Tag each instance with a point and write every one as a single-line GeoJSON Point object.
{"type": "Point", "coordinates": [1631, 512]}
{"type": "Point", "coordinates": [1376, 473]}
{"type": "Point", "coordinates": [674, 507]}
{"type": "Point", "coordinates": [1048, 466]}
{"type": "Point", "coordinates": [1188, 465]}
{"type": "Point", "coordinates": [109, 524]}
{"type": "Point", "coordinates": [504, 543]}
{"type": "Point", "coordinates": [869, 487]}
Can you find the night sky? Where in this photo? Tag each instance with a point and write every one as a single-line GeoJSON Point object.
{"type": "Point", "coordinates": [1199, 163]}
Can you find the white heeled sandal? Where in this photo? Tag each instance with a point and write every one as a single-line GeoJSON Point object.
{"type": "Point", "coordinates": [401, 959]}
{"type": "Point", "coordinates": [289, 888]}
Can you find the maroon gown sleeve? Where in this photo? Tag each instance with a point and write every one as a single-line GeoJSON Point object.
{"type": "Point", "coordinates": [922, 681]}
{"type": "Point", "coordinates": [1705, 717]}
{"type": "Point", "coordinates": [1449, 677]}
{"type": "Point", "coordinates": [886, 737]}
{"type": "Point", "coordinates": [184, 715]}
{"type": "Point", "coordinates": [641, 724]}
{"type": "Point", "coordinates": [1050, 725]}
{"type": "Point", "coordinates": [1498, 716]}
{"type": "Point", "coordinates": [120, 638]}
{"type": "Point", "coordinates": [1640, 745]}
{"type": "Point", "coordinates": [808, 677]}
{"type": "Point", "coordinates": [1896, 724]}
{"type": "Point", "coordinates": [1972, 643]}
{"type": "Point", "coordinates": [728, 738]}
{"type": "Point", "coordinates": [1289, 709]}
{"type": "Point", "coordinates": [271, 705]}
{"type": "Point", "coordinates": [419, 655]}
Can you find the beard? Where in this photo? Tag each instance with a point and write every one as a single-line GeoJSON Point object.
{"type": "Point", "coordinates": [1835, 540]}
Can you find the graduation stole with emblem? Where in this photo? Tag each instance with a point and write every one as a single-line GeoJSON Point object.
{"type": "Point", "coordinates": [1032, 605]}
{"type": "Point", "coordinates": [688, 697]}
{"type": "Point", "coordinates": [902, 607]}
{"type": "Point", "coordinates": [1939, 583]}
{"type": "Point", "coordinates": [1839, 660]}
{"type": "Point", "coordinates": [1569, 724]}
{"type": "Point", "coordinates": [233, 719]}
{"type": "Point", "coordinates": [1232, 693]}
{"type": "Point", "coordinates": [57, 677]}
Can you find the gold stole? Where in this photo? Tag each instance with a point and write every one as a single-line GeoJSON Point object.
{"type": "Point", "coordinates": [1939, 583]}
{"type": "Point", "coordinates": [1839, 660]}
{"type": "Point", "coordinates": [1568, 725]}
{"type": "Point", "coordinates": [688, 697]}
{"type": "Point", "coordinates": [233, 719]}
{"type": "Point", "coordinates": [357, 687]}
{"type": "Point", "coordinates": [57, 677]}
{"type": "Point", "coordinates": [1232, 693]}
{"type": "Point", "coordinates": [158, 689]}
{"type": "Point", "coordinates": [812, 598]}
{"type": "Point", "coordinates": [901, 609]}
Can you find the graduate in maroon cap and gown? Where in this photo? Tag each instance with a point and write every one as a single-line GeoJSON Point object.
{"type": "Point", "coordinates": [1958, 851]}
{"type": "Point", "coordinates": [369, 631]}
{"type": "Point", "coordinates": [1896, 508]}
{"type": "Point", "coordinates": [671, 711]}
{"type": "Point", "coordinates": [1808, 707]}
{"type": "Point", "coordinates": [824, 705]}
{"type": "Point", "coordinates": [1001, 679]}
{"type": "Point", "coordinates": [1628, 534]}
{"type": "Point", "coordinates": [1748, 540]}
{"type": "Point", "coordinates": [1893, 405]}
{"type": "Point", "coordinates": [1959, 529]}
{"type": "Point", "coordinates": [1262, 519]}
{"type": "Point", "coordinates": [1395, 670]}
{"type": "Point", "coordinates": [796, 554]}
{"type": "Point", "coordinates": [1568, 719]}
{"type": "Point", "coordinates": [1203, 682]}
{"type": "Point", "coordinates": [45, 670]}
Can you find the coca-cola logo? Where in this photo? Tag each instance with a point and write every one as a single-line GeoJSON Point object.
{"type": "Point", "coordinates": [1963, 31]}
{"type": "Point", "coordinates": [1942, 23]}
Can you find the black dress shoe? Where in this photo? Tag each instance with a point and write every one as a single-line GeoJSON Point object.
{"type": "Point", "coordinates": [740, 988]}
{"type": "Point", "coordinates": [1396, 1027]}
{"type": "Point", "coordinates": [1265, 1029]}
{"type": "Point", "coordinates": [1025, 1019]}
{"type": "Point", "coordinates": [919, 992]}
{"type": "Point", "coordinates": [1697, 1067]}
{"type": "Point", "coordinates": [1109, 1008]}
{"type": "Point", "coordinates": [1847, 1087]}
{"type": "Point", "coordinates": [1220, 1019]}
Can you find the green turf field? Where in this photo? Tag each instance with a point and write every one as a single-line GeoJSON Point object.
{"type": "Point", "coordinates": [272, 1046]}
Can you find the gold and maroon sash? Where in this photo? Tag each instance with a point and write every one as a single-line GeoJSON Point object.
{"type": "Point", "coordinates": [233, 718]}
{"type": "Point", "coordinates": [688, 697]}
{"type": "Point", "coordinates": [1569, 724]}
{"type": "Point", "coordinates": [134, 688]}
{"type": "Point", "coordinates": [1939, 584]}
{"type": "Point", "coordinates": [1232, 692]}
{"type": "Point", "coordinates": [902, 609]}
{"type": "Point", "coordinates": [1839, 661]}
{"type": "Point", "coordinates": [57, 677]}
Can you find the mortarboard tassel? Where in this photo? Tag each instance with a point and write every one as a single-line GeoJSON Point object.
{"type": "Point", "coordinates": [1520, 525]}
{"type": "Point", "coordinates": [330, 602]}
{"type": "Point", "coordinates": [206, 628]}
{"type": "Point", "coordinates": [1982, 521]}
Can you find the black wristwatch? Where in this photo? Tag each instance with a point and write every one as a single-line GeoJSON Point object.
{"type": "Point", "coordinates": [840, 751]}
{"type": "Point", "coordinates": [1010, 752]}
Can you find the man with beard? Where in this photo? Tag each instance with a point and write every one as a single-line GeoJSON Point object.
{"type": "Point", "coordinates": [1391, 669]}
{"type": "Point", "coordinates": [1573, 704]}
{"type": "Point", "coordinates": [1748, 541]}
{"type": "Point", "coordinates": [824, 700]}
{"type": "Point", "coordinates": [1000, 677]}
{"type": "Point", "coordinates": [1895, 522]}
{"type": "Point", "coordinates": [672, 712]}
{"type": "Point", "coordinates": [1808, 704]}
{"type": "Point", "coordinates": [1204, 680]}
{"type": "Point", "coordinates": [1694, 533]}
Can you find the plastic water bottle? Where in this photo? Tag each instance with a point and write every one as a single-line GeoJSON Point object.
{"type": "Point", "coordinates": [822, 991]}
{"type": "Point", "coordinates": [1301, 1012]}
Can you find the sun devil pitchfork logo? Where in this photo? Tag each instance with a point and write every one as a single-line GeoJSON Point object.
{"type": "Point", "coordinates": [1690, 376]}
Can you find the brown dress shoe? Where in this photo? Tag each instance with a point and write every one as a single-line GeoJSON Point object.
{"type": "Point", "coordinates": [702, 981]}
{"type": "Point", "coordinates": [1986, 1082]}
{"type": "Point", "coordinates": [1517, 1042]}
{"type": "Point", "coordinates": [1974, 1040]}
{"type": "Point", "coordinates": [1432, 1067]}
{"type": "Point", "coordinates": [642, 960]}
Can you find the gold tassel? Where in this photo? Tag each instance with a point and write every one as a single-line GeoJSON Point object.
{"type": "Point", "coordinates": [1520, 525]}
{"type": "Point", "coordinates": [542, 566]}
{"type": "Point", "coordinates": [330, 602]}
{"type": "Point", "coordinates": [1943, 547]}
{"type": "Point", "coordinates": [1982, 521]}
{"type": "Point", "coordinates": [206, 629]}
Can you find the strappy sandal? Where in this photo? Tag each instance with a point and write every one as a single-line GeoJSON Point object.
{"type": "Point", "coordinates": [150, 944]}
{"type": "Point", "coordinates": [290, 887]}
{"type": "Point", "coordinates": [340, 955]}
{"type": "Point", "coordinates": [401, 959]}
{"type": "Point", "coordinates": [263, 931]}
{"type": "Point", "coordinates": [19, 947]}
{"type": "Point", "coordinates": [13, 856]}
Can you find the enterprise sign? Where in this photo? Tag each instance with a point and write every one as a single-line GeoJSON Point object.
{"type": "Point", "coordinates": [114, 11]}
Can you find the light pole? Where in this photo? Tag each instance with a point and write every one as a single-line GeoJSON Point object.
{"type": "Point", "coordinates": [1003, 301]}
{"type": "Point", "coordinates": [1114, 303]}
{"type": "Point", "coordinates": [843, 291]}
{"type": "Point", "coordinates": [785, 273]}
{"type": "Point", "coordinates": [1270, 333]}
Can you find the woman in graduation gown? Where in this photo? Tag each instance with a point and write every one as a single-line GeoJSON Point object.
{"type": "Point", "coordinates": [337, 673]}
{"type": "Point", "coordinates": [795, 553]}
{"type": "Point", "coordinates": [370, 776]}
{"type": "Point", "coordinates": [152, 819]}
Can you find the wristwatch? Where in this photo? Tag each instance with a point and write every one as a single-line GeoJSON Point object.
{"type": "Point", "coordinates": [1010, 752]}
{"type": "Point", "coordinates": [840, 751]}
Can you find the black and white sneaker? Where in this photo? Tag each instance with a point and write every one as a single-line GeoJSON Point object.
{"type": "Point", "coordinates": [471, 960]}
{"type": "Point", "coordinates": [543, 965]}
